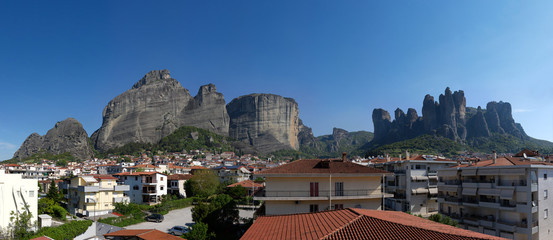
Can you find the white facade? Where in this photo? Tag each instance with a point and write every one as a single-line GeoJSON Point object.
{"type": "Point", "coordinates": [145, 187]}
{"type": "Point", "coordinates": [15, 192]}
{"type": "Point", "coordinates": [508, 201]}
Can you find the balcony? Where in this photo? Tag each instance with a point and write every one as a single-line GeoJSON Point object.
{"type": "Point", "coordinates": [90, 200]}
{"type": "Point", "coordinates": [121, 199]}
{"type": "Point", "coordinates": [149, 191]}
{"type": "Point", "coordinates": [432, 172]}
{"type": "Point", "coordinates": [87, 189]}
{"type": "Point", "coordinates": [398, 172]}
{"type": "Point", "coordinates": [323, 195]}
{"type": "Point", "coordinates": [119, 188]}
{"type": "Point", "coordinates": [506, 226]}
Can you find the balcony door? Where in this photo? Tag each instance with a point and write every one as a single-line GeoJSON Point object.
{"type": "Point", "coordinates": [339, 186]}
{"type": "Point", "coordinates": [314, 189]}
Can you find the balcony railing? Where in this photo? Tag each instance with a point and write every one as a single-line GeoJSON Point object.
{"type": "Point", "coordinates": [452, 182]}
{"type": "Point", "coordinates": [512, 183]}
{"type": "Point", "coordinates": [333, 193]}
{"type": "Point", "coordinates": [432, 172]}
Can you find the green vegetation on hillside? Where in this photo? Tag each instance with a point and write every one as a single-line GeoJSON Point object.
{"type": "Point", "coordinates": [505, 143]}
{"type": "Point", "coordinates": [425, 144]}
{"type": "Point", "coordinates": [60, 159]}
{"type": "Point", "coordinates": [185, 138]}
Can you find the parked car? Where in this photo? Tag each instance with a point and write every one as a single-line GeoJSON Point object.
{"type": "Point", "coordinates": [155, 218]}
{"type": "Point", "coordinates": [178, 230]}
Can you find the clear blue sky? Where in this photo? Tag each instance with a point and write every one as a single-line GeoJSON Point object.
{"type": "Point", "coordinates": [338, 59]}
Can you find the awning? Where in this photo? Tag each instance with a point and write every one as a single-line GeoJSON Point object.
{"type": "Point", "coordinates": [488, 191]}
{"type": "Point", "coordinates": [469, 191]}
{"type": "Point", "coordinates": [419, 191]}
{"type": "Point", "coordinates": [468, 172]}
{"type": "Point", "coordinates": [507, 194]}
{"type": "Point", "coordinates": [419, 178]}
{"type": "Point", "coordinates": [433, 191]}
{"type": "Point", "coordinates": [512, 171]}
{"type": "Point", "coordinates": [447, 173]}
{"type": "Point", "coordinates": [488, 171]}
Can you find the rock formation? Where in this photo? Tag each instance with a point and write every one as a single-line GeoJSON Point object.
{"type": "Point", "coordinates": [448, 118]}
{"type": "Point", "coordinates": [154, 107]}
{"type": "Point", "coordinates": [268, 122]}
{"type": "Point", "coordinates": [66, 136]}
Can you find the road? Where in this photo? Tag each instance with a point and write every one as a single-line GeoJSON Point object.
{"type": "Point", "coordinates": [179, 217]}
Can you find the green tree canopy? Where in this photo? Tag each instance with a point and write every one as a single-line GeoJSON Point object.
{"type": "Point", "coordinates": [204, 183]}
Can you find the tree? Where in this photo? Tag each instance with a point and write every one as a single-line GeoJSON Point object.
{"type": "Point", "coordinates": [21, 224]}
{"type": "Point", "coordinates": [199, 231]}
{"type": "Point", "coordinates": [40, 187]}
{"type": "Point", "coordinates": [237, 192]}
{"type": "Point", "coordinates": [204, 183]}
{"type": "Point", "coordinates": [53, 192]}
{"type": "Point", "coordinates": [219, 214]}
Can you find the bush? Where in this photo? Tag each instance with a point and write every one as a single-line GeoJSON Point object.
{"type": "Point", "coordinates": [65, 231]}
{"type": "Point", "coordinates": [59, 212]}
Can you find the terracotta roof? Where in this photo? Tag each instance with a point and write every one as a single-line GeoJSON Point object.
{"type": "Point", "coordinates": [506, 161]}
{"type": "Point", "coordinates": [356, 224]}
{"type": "Point", "coordinates": [105, 177]}
{"type": "Point", "coordinates": [179, 176]}
{"type": "Point", "coordinates": [42, 238]}
{"type": "Point", "coordinates": [247, 184]}
{"type": "Point", "coordinates": [144, 166]}
{"type": "Point", "coordinates": [321, 166]}
{"type": "Point", "coordinates": [146, 234]}
{"type": "Point", "coordinates": [136, 173]}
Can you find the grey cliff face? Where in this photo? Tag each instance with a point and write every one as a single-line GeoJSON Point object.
{"type": "Point", "coordinates": [66, 136]}
{"type": "Point", "coordinates": [447, 118]}
{"type": "Point", "coordinates": [268, 122]}
{"type": "Point", "coordinates": [156, 106]}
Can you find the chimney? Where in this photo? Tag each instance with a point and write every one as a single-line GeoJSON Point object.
{"type": "Point", "coordinates": [344, 156]}
{"type": "Point", "coordinates": [387, 158]}
{"type": "Point", "coordinates": [407, 156]}
{"type": "Point", "coordinates": [494, 157]}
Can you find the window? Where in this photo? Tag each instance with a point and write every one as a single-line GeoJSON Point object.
{"type": "Point", "coordinates": [545, 176]}
{"type": "Point", "coordinates": [313, 208]}
{"type": "Point", "coordinates": [161, 188]}
{"type": "Point", "coordinates": [161, 178]}
{"type": "Point", "coordinates": [544, 194]}
{"type": "Point", "coordinates": [314, 189]}
{"type": "Point", "coordinates": [339, 187]}
{"type": "Point", "coordinates": [135, 187]}
{"type": "Point", "coordinates": [338, 206]}
{"type": "Point", "coordinates": [545, 213]}
{"type": "Point", "coordinates": [106, 193]}
{"type": "Point", "coordinates": [31, 193]}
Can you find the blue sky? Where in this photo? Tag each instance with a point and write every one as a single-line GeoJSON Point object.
{"type": "Point", "coordinates": [338, 59]}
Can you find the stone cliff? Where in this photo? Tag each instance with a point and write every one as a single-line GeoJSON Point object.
{"type": "Point", "coordinates": [156, 106]}
{"type": "Point", "coordinates": [66, 136]}
{"type": "Point", "coordinates": [267, 121]}
{"type": "Point", "coordinates": [447, 117]}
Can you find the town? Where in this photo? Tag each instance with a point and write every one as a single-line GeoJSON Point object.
{"type": "Point", "coordinates": [474, 196]}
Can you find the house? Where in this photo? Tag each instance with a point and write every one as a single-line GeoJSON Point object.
{"type": "Point", "coordinates": [176, 184]}
{"type": "Point", "coordinates": [145, 187]}
{"type": "Point", "coordinates": [355, 223]}
{"type": "Point", "coordinates": [16, 192]}
{"type": "Point", "coordinates": [251, 186]}
{"type": "Point", "coordinates": [315, 185]}
{"type": "Point", "coordinates": [93, 195]}
{"type": "Point", "coordinates": [502, 196]}
{"type": "Point", "coordinates": [110, 169]}
{"type": "Point", "coordinates": [414, 183]}
{"type": "Point", "coordinates": [140, 234]}
{"type": "Point", "coordinates": [232, 174]}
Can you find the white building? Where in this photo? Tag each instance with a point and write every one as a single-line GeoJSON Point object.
{"type": "Point", "coordinates": [15, 193]}
{"type": "Point", "coordinates": [507, 197]}
{"type": "Point", "coordinates": [414, 183]}
{"type": "Point", "coordinates": [145, 187]}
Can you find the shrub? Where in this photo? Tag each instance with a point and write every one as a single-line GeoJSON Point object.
{"type": "Point", "coordinates": [66, 231]}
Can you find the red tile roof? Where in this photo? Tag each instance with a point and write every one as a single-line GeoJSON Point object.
{"type": "Point", "coordinates": [506, 161]}
{"type": "Point", "coordinates": [135, 173]}
{"type": "Point", "coordinates": [247, 184]}
{"type": "Point", "coordinates": [356, 224]}
{"type": "Point", "coordinates": [146, 234]}
{"type": "Point", "coordinates": [321, 166]}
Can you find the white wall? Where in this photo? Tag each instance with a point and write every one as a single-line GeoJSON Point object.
{"type": "Point", "coordinates": [13, 184]}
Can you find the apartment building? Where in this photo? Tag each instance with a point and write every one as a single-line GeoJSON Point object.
{"type": "Point", "coordinates": [232, 174]}
{"type": "Point", "coordinates": [414, 184]}
{"type": "Point", "coordinates": [15, 193]}
{"type": "Point", "coordinates": [145, 187]}
{"type": "Point", "coordinates": [94, 195]}
{"type": "Point", "coordinates": [306, 186]}
{"type": "Point", "coordinates": [506, 197]}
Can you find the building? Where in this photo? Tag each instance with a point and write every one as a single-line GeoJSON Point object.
{"type": "Point", "coordinates": [140, 234]}
{"type": "Point", "coordinates": [109, 169]}
{"type": "Point", "coordinates": [15, 193]}
{"type": "Point", "coordinates": [352, 223]}
{"type": "Point", "coordinates": [176, 184]}
{"type": "Point", "coordinates": [94, 195]}
{"type": "Point", "coordinates": [145, 187]}
{"type": "Point", "coordinates": [506, 196]}
{"type": "Point", "coordinates": [414, 184]}
{"type": "Point", "coordinates": [316, 185]}
{"type": "Point", "coordinates": [252, 186]}
{"type": "Point", "coordinates": [232, 174]}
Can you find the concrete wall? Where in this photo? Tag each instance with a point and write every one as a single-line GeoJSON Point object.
{"type": "Point", "coordinates": [291, 207]}
{"type": "Point", "coordinates": [545, 225]}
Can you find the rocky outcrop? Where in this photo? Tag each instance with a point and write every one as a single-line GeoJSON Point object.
{"type": "Point", "coordinates": [66, 136]}
{"type": "Point", "coordinates": [154, 107]}
{"type": "Point", "coordinates": [448, 117]}
{"type": "Point", "coordinates": [268, 122]}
